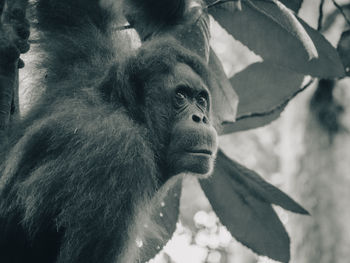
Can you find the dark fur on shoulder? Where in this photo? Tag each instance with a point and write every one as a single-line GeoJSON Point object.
{"type": "Point", "coordinates": [90, 153]}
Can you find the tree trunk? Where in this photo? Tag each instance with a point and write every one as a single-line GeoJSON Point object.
{"type": "Point", "coordinates": [322, 184]}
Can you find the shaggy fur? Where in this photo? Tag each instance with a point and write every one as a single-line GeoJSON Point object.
{"type": "Point", "coordinates": [92, 151]}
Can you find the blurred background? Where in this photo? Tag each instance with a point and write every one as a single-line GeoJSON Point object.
{"type": "Point", "coordinates": [306, 153]}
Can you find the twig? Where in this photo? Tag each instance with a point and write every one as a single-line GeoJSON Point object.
{"type": "Point", "coordinates": [278, 107]}
{"type": "Point", "coordinates": [341, 11]}
{"type": "Point", "coordinates": [320, 16]}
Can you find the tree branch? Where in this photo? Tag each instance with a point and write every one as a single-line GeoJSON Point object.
{"type": "Point", "coordinates": [341, 11]}
{"type": "Point", "coordinates": [320, 16]}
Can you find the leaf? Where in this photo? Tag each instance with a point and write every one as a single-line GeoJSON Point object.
{"type": "Point", "coordinates": [224, 97]}
{"type": "Point", "coordinates": [260, 106]}
{"type": "Point", "coordinates": [292, 4]}
{"type": "Point", "coordinates": [272, 31]}
{"type": "Point", "coordinates": [250, 220]}
{"type": "Point", "coordinates": [257, 185]}
{"type": "Point", "coordinates": [242, 200]}
{"type": "Point", "coordinates": [262, 86]}
{"type": "Point", "coordinates": [164, 217]}
{"type": "Point", "coordinates": [328, 64]}
{"type": "Point", "coordinates": [266, 21]}
{"type": "Point", "coordinates": [264, 89]}
{"type": "Point", "coordinates": [344, 50]}
{"type": "Point", "coordinates": [250, 122]}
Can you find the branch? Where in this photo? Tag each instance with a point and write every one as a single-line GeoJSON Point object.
{"type": "Point", "coordinates": [320, 16]}
{"type": "Point", "coordinates": [341, 11]}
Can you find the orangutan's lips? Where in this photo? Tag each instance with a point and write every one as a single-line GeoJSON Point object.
{"type": "Point", "coordinates": [200, 151]}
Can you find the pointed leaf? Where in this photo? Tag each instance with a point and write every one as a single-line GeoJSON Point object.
{"type": "Point", "coordinates": [251, 121]}
{"type": "Point", "coordinates": [264, 90]}
{"type": "Point", "coordinates": [249, 218]}
{"type": "Point", "coordinates": [272, 31]}
{"type": "Point", "coordinates": [344, 50]}
{"type": "Point", "coordinates": [258, 187]}
{"type": "Point", "coordinates": [286, 19]}
{"type": "Point", "coordinates": [258, 119]}
{"type": "Point", "coordinates": [224, 97]}
{"type": "Point", "coordinates": [164, 216]}
{"type": "Point", "coordinates": [262, 86]}
{"type": "Point", "coordinates": [328, 64]}
{"type": "Point", "coordinates": [261, 25]}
